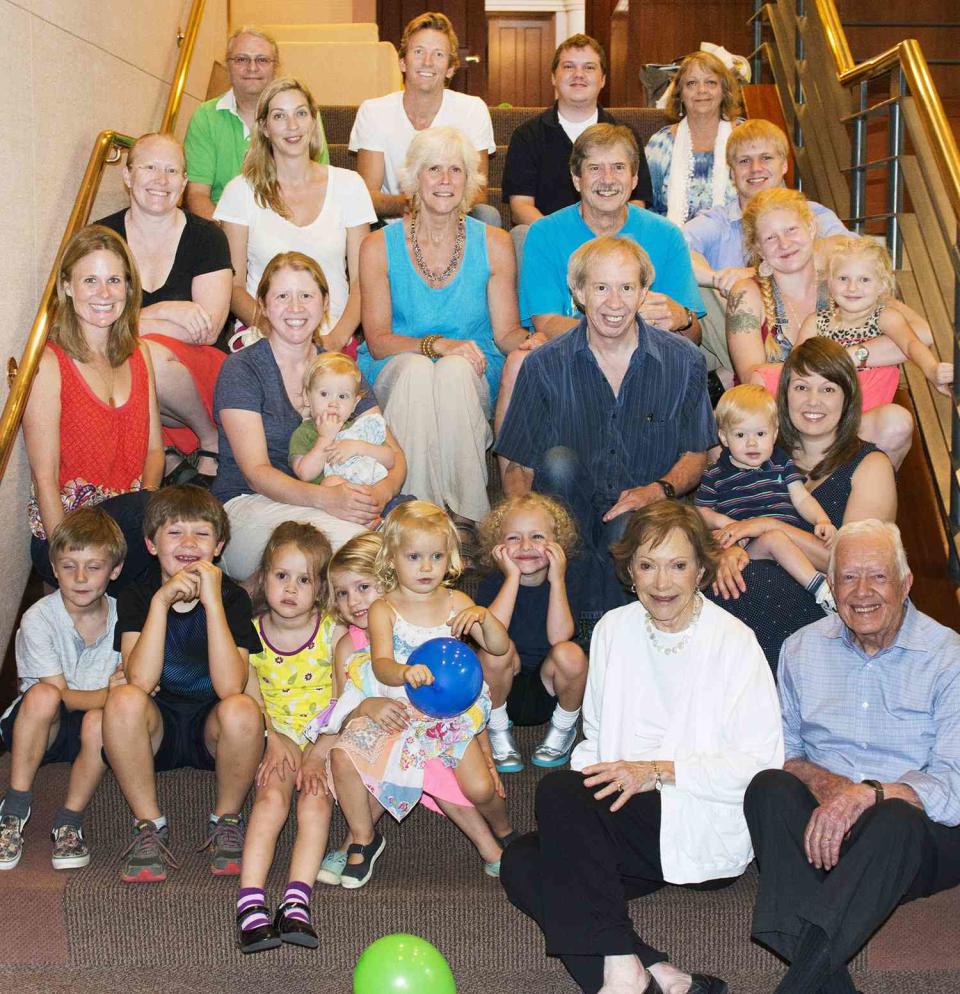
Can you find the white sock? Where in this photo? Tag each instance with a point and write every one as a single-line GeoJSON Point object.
{"type": "Point", "coordinates": [564, 719]}
{"type": "Point", "coordinates": [160, 822]}
{"type": "Point", "coordinates": [499, 721]}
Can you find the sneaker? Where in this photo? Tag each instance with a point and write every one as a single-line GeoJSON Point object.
{"type": "Point", "coordinates": [492, 869]}
{"type": "Point", "coordinates": [70, 852]}
{"type": "Point", "coordinates": [331, 869]}
{"type": "Point", "coordinates": [506, 755]}
{"type": "Point", "coordinates": [11, 839]}
{"type": "Point", "coordinates": [555, 748]}
{"type": "Point", "coordinates": [226, 844]}
{"type": "Point", "coordinates": [357, 874]}
{"type": "Point", "coordinates": [147, 857]}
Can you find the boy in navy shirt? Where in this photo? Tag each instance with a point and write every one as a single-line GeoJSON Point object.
{"type": "Point", "coordinates": [185, 637]}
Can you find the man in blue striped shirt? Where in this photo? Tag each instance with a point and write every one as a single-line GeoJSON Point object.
{"type": "Point", "coordinates": [864, 816]}
{"type": "Point", "coordinates": [611, 416]}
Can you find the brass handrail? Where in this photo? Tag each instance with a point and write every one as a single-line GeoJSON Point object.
{"type": "Point", "coordinates": [909, 57]}
{"type": "Point", "coordinates": [106, 149]}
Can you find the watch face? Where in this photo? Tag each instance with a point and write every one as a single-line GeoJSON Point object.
{"type": "Point", "coordinates": [862, 354]}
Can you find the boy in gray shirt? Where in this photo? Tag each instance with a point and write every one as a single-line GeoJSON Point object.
{"type": "Point", "coordinates": [66, 664]}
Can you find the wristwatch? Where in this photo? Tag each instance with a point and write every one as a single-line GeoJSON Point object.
{"type": "Point", "coordinates": [877, 788]}
{"type": "Point", "coordinates": [669, 490]}
{"type": "Point", "coordinates": [687, 326]}
{"type": "Point", "coordinates": [861, 354]}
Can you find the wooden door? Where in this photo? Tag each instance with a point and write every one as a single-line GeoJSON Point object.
{"type": "Point", "coordinates": [521, 48]}
{"type": "Point", "coordinates": [469, 20]}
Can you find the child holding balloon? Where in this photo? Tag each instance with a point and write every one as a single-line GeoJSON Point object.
{"type": "Point", "coordinates": [291, 678]}
{"type": "Point", "coordinates": [418, 558]}
{"type": "Point", "coordinates": [543, 677]}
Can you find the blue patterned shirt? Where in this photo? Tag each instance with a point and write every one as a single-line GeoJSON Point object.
{"type": "Point", "coordinates": [893, 716]}
{"type": "Point", "coordinates": [562, 397]}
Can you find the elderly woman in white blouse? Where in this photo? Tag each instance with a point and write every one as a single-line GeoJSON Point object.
{"type": "Point", "coordinates": [680, 713]}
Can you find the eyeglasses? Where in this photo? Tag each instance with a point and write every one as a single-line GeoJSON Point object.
{"type": "Point", "coordinates": [156, 169]}
{"type": "Point", "coordinates": [260, 61]}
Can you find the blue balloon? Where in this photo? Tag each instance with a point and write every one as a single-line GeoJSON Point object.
{"type": "Point", "coordinates": [457, 677]}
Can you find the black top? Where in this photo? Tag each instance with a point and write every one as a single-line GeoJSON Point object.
{"type": "Point", "coordinates": [186, 668]}
{"type": "Point", "coordinates": [202, 249]}
{"type": "Point", "coordinates": [538, 163]}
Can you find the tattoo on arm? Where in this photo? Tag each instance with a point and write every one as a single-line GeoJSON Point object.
{"type": "Point", "coordinates": [739, 317]}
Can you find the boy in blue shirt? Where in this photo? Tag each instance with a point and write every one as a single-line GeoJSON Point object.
{"type": "Point", "coordinates": [66, 664]}
{"type": "Point", "coordinates": [185, 637]}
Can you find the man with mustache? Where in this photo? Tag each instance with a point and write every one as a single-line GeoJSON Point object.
{"type": "Point", "coordinates": [603, 168]}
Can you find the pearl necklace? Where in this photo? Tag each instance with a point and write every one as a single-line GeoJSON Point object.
{"type": "Point", "coordinates": [428, 273]}
{"type": "Point", "coordinates": [677, 647]}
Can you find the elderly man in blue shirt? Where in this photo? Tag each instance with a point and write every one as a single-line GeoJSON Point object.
{"type": "Point", "coordinates": [864, 815]}
{"type": "Point", "coordinates": [610, 416]}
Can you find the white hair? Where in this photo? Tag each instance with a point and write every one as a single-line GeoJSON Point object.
{"type": "Point", "coordinates": [873, 528]}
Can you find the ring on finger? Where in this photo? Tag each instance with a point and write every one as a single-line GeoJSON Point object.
{"type": "Point", "coordinates": [620, 785]}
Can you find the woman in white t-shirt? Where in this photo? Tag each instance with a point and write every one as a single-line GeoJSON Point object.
{"type": "Point", "coordinates": [285, 201]}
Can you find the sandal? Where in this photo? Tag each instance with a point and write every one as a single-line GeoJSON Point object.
{"type": "Point", "coordinates": [357, 874]}
{"type": "Point", "coordinates": [204, 479]}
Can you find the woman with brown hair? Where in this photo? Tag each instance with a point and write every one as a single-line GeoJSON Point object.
{"type": "Point", "coordinates": [680, 713]}
{"type": "Point", "coordinates": [688, 168]}
{"type": "Point", "coordinates": [92, 424]}
{"type": "Point", "coordinates": [260, 401]}
{"type": "Point", "coordinates": [818, 405]}
{"type": "Point", "coordinates": [286, 201]}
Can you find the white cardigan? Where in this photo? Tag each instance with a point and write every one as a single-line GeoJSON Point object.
{"type": "Point", "coordinates": [726, 729]}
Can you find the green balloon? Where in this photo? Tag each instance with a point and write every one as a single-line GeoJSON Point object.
{"type": "Point", "coordinates": [402, 964]}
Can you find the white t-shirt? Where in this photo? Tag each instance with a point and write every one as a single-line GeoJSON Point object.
{"type": "Point", "coordinates": [575, 129]}
{"type": "Point", "coordinates": [382, 125]}
{"type": "Point", "coordinates": [346, 204]}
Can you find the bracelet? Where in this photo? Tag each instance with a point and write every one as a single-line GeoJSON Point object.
{"type": "Point", "coordinates": [689, 324]}
{"type": "Point", "coordinates": [427, 346]}
{"type": "Point", "coordinates": [659, 779]}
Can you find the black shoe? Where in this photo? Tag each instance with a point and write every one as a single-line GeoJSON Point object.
{"type": "Point", "coordinates": [704, 983]}
{"type": "Point", "coordinates": [293, 930]}
{"type": "Point", "coordinates": [256, 940]}
{"type": "Point", "coordinates": [357, 874]}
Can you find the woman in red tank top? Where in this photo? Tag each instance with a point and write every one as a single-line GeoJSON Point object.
{"type": "Point", "coordinates": [92, 425]}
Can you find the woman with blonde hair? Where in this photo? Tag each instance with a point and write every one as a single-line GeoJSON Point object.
{"type": "Point", "coordinates": [766, 312]}
{"type": "Point", "coordinates": [285, 200]}
{"type": "Point", "coordinates": [439, 313]}
{"type": "Point", "coordinates": [92, 425]}
{"type": "Point", "coordinates": [260, 401]}
{"type": "Point", "coordinates": [687, 159]}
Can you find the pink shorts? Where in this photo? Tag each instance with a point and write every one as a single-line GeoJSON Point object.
{"type": "Point", "coordinates": [440, 782]}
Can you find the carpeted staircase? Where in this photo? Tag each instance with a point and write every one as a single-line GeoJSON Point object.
{"type": "Point", "coordinates": [85, 932]}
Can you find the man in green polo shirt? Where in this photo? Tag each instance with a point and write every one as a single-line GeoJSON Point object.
{"type": "Point", "coordinates": [219, 131]}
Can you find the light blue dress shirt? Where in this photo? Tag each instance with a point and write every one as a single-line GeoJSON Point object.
{"type": "Point", "coordinates": [893, 716]}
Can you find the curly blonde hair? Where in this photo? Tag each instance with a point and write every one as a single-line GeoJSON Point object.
{"type": "Point", "coordinates": [416, 516]}
{"type": "Point", "coordinates": [874, 253]}
{"type": "Point", "coordinates": [490, 531]}
{"type": "Point", "coordinates": [359, 555]}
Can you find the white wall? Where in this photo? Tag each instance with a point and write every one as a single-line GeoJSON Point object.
{"type": "Point", "coordinates": [72, 69]}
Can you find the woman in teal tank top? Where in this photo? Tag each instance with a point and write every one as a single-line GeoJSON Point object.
{"type": "Point", "coordinates": [439, 314]}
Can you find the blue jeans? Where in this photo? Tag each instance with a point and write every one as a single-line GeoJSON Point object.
{"type": "Point", "coordinates": [127, 510]}
{"type": "Point", "coordinates": [591, 578]}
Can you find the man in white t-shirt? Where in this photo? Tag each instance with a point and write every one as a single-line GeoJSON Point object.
{"type": "Point", "coordinates": [385, 126]}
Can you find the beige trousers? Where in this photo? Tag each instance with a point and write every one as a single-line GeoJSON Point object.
{"type": "Point", "coordinates": [439, 412]}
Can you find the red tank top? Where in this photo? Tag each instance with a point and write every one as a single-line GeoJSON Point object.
{"type": "Point", "coordinates": [102, 448]}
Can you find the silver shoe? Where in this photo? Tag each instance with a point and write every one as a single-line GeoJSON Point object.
{"type": "Point", "coordinates": [506, 755]}
{"type": "Point", "coordinates": [555, 748]}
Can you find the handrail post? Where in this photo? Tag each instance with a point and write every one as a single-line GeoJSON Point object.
{"type": "Point", "coordinates": [799, 95]}
{"type": "Point", "coordinates": [757, 69]}
{"type": "Point", "coordinates": [858, 177]}
{"type": "Point", "coordinates": [895, 174]}
{"type": "Point", "coordinates": [189, 39]}
{"type": "Point", "coordinates": [953, 529]}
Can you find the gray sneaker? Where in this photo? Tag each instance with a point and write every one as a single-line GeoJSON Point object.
{"type": "Point", "coordinates": [555, 748]}
{"type": "Point", "coordinates": [11, 839]}
{"type": "Point", "coordinates": [506, 755]}
{"type": "Point", "coordinates": [70, 852]}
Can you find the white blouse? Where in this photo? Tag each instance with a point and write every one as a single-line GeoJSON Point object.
{"type": "Point", "coordinates": [712, 709]}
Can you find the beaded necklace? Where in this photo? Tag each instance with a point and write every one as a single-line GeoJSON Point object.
{"type": "Point", "coordinates": [679, 646]}
{"type": "Point", "coordinates": [428, 273]}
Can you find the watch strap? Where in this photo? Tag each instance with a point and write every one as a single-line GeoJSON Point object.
{"type": "Point", "coordinates": [669, 490]}
{"type": "Point", "coordinates": [877, 788]}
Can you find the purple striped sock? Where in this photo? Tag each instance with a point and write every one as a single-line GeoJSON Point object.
{"type": "Point", "coordinates": [250, 897]}
{"type": "Point", "coordinates": [298, 892]}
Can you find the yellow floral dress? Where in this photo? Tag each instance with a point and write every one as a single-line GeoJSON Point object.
{"type": "Point", "coordinates": [296, 685]}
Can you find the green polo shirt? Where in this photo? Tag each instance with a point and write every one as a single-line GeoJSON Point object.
{"type": "Point", "coordinates": [217, 140]}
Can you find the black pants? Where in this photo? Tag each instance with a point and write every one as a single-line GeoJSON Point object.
{"type": "Point", "coordinates": [893, 854]}
{"type": "Point", "coordinates": [575, 875]}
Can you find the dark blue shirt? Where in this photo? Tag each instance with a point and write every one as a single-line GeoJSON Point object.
{"type": "Point", "coordinates": [186, 666]}
{"type": "Point", "coordinates": [628, 440]}
{"type": "Point", "coordinates": [761, 492]}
